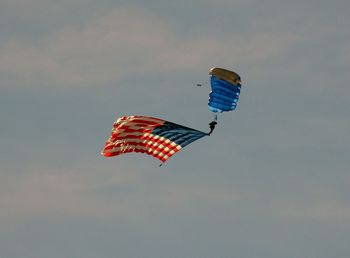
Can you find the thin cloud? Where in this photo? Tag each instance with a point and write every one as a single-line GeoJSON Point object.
{"type": "Point", "coordinates": [327, 211]}
{"type": "Point", "coordinates": [57, 193]}
{"type": "Point", "coordinates": [70, 193]}
{"type": "Point", "coordinates": [124, 42]}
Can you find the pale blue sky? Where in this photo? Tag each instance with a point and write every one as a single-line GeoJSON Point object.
{"type": "Point", "coordinates": [272, 181]}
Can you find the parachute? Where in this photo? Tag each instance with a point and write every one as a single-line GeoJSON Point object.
{"type": "Point", "coordinates": [149, 135]}
{"type": "Point", "coordinates": [225, 90]}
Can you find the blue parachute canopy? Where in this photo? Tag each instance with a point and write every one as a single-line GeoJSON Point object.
{"type": "Point", "coordinates": [225, 90]}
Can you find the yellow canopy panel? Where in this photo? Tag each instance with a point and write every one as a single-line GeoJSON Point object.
{"type": "Point", "coordinates": [223, 74]}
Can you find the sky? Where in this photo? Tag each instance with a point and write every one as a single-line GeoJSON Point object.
{"type": "Point", "coordinates": [272, 181]}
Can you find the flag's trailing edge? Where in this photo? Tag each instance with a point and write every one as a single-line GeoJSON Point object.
{"type": "Point", "coordinates": [149, 135]}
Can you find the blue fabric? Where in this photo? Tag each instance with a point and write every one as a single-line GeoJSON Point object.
{"type": "Point", "coordinates": [177, 133]}
{"type": "Point", "coordinates": [223, 95]}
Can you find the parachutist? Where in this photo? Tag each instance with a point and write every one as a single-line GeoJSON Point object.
{"type": "Point", "coordinates": [212, 126]}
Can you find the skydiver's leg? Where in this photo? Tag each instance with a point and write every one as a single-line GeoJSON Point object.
{"type": "Point", "coordinates": [212, 126]}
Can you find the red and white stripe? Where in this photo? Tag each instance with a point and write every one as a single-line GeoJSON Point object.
{"type": "Point", "coordinates": [134, 134]}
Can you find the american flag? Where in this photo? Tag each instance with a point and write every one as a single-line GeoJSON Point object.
{"type": "Point", "coordinates": [149, 135]}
